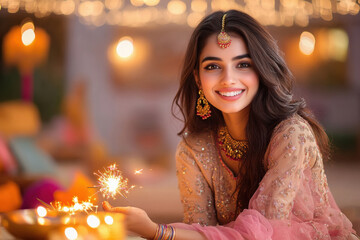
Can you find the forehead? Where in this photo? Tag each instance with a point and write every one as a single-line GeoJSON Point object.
{"type": "Point", "coordinates": [211, 48]}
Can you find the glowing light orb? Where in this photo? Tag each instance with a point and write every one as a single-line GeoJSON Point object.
{"type": "Point", "coordinates": [307, 43]}
{"type": "Point", "coordinates": [109, 220]}
{"type": "Point", "coordinates": [125, 47]}
{"type": "Point", "coordinates": [93, 221]}
{"type": "Point", "coordinates": [41, 211]}
{"type": "Point", "coordinates": [71, 233]}
{"type": "Point", "coordinates": [27, 37]}
{"type": "Point", "coordinates": [41, 221]}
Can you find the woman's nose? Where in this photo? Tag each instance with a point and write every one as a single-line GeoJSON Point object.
{"type": "Point", "coordinates": [228, 76]}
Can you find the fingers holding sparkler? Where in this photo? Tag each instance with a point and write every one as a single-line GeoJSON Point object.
{"type": "Point", "coordinates": [137, 220]}
{"type": "Point", "coordinates": [108, 208]}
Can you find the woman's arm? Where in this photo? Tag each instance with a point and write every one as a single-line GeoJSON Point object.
{"type": "Point", "coordinates": [137, 221]}
{"type": "Point", "coordinates": [195, 193]}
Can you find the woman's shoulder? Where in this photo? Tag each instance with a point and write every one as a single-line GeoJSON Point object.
{"type": "Point", "coordinates": [197, 149]}
{"type": "Point", "coordinates": [290, 135]}
{"type": "Point", "coordinates": [196, 141]}
{"type": "Point", "coordinates": [292, 130]}
{"type": "Point", "coordinates": [294, 123]}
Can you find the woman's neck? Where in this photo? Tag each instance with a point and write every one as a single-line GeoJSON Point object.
{"type": "Point", "coordinates": [236, 123]}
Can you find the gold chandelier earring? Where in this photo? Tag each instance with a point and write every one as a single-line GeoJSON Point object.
{"type": "Point", "coordinates": [202, 106]}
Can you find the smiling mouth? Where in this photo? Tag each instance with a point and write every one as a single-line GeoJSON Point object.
{"type": "Point", "coordinates": [231, 94]}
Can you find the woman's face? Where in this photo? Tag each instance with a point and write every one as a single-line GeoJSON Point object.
{"type": "Point", "coordinates": [227, 76]}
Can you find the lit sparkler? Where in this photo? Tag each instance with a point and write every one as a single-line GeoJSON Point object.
{"type": "Point", "coordinates": [84, 206]}
{"type": "Point", "coordinates": [111, 182]}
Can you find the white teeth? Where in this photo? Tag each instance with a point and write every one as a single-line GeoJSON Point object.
{"type": "Point", "coordinates": [231, 94]}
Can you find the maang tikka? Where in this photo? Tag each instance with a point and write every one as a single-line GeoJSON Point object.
{"type": "Point", "coordinates": [223, 38]}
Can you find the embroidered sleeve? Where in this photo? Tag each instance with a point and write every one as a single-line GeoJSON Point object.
{"type": "Point", "coordinates": [196, 195]}
{"type": "Point", "coordinates": [288, 155]}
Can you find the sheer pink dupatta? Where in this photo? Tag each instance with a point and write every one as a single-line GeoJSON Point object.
{"type": "Point", "coordinates": [293, 200]}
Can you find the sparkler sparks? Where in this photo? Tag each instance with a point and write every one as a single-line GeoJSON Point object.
{"type": "Point", "coordinates": [111, 182]}
{"type": "Point", "coordinates": [138, 171]}
{"type": "Point", "coordinates": [84, 206]}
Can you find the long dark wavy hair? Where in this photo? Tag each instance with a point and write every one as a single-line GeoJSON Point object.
{"type": "Point", "coordinates": [273, 102]}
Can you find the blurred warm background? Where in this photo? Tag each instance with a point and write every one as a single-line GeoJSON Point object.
{"type": "Point", "coordinates": [88, 83]}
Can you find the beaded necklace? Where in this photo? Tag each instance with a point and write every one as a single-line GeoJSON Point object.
{"type": "Point", "coordinates": [234, 149]}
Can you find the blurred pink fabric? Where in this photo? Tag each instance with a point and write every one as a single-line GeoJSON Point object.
{"type": "Point", "coordinates": [293, 200]}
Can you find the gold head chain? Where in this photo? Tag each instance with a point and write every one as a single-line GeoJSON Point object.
{"type": "Point", "coordinates": [223, 39]}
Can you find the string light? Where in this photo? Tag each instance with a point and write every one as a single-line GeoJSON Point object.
{"type": "Point", "coordinates": [268, 12]}
{"type": "Point", "coordinates": [176, 7]}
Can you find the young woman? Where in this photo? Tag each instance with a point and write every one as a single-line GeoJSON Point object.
{"type": "Point", "coordinates": [250, 165]}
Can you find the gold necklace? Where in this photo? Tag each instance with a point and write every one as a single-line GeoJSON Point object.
{"type": "Point", "coordinates": [234, 149]}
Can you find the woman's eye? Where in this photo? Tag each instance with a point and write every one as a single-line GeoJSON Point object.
{"type": "Point", "coordinates": [211, 67]}
{"type": "Point", "coordinates": [244, 65]}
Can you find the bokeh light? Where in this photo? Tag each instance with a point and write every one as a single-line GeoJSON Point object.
{"type": "Point", "coordinates": [41, 211]}
{"type": "Point", "coordinates": [71, 233]}
{"type": "Point", "coordinates": [176, 7]}
{"type": "Point", "coordinates": [125, 47]}
{"type": "Point", "coordinates": [27, 33]}
{"type": "Point", "coordinates": [28, 37]}
{"type": "Point", "coordinates": [151, 3]}
{"type": "Point", "coordinates": [199, 5]}
{"type": "Point", "coordinates": [338, 44]}
{"type": "Point", "coordinates": [109, 220]}
{"type": "Point", "coordinates": [307, 43]}
{"type": "Point", "coordinates": [93, 221]}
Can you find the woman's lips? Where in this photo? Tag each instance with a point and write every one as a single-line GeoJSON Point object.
{"type": "Point", "coordinates": [231, 94]}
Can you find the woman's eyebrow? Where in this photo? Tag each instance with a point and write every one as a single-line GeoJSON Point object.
{"type": "Point", "coordinates": [246, 55]}
{"type": "Point", "coordinates": [211, 59]}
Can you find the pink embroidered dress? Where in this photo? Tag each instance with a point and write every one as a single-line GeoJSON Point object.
{"type": "Point", "coordinates": [293, 200]}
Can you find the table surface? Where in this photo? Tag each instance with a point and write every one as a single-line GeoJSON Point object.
{"type": "Point", "coordinates": [5, 235]}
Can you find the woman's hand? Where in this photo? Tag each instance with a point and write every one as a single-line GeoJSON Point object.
{"type": "Point", "coordinates": [136, 220]}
